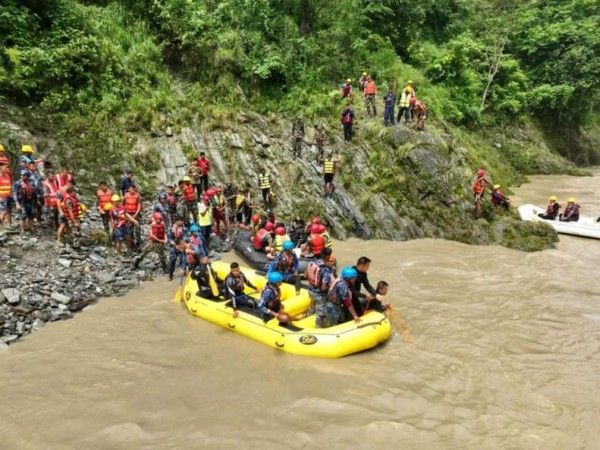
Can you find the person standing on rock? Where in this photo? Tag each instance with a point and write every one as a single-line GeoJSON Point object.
{"type": "Point", "coordinates": [194, 174]}
{"type": "Point", "coordinates": [390, 105]}
{"type": "Point", "coordinates": [126, 182]}
{"type": "Point", "coordinates": [205, 218]}
{"type": "Point", "coordinates": [320, 142]}
{"type": "Point", "coordinates": [479, 185]}
{"type": "Point", "coordinates": [120, 219]}
{"type": "Point", "coordinates": [157, 242]}
{"type": "Point", "coordinates": [26, 155]}
{"type": "Point", "coordinates": [132, 202]}
{"type": "Point", "coordinates": [103, 197]}
{"type": "Point", "coordinates": [298, 135]}
{"type": "Point", "coordinates": [64, 178]}
{"type": "Point", "coordinates": [405, 104]}
{"type": "Point", "coordinates": [264, 184]}
{"type": "Point", "coordinates": [50, 191]}
{"type": "Point", "coordinates": [204, 166]}
{"type": "Point", "coordinates": [329, 166]}
{"type": "Point", "coordinates": [419, 110]}
{"type": "Point", "coordinates": [370, 94]}
{"type": "Point", "coordinates": [362, 82]}
{"type": "Point", "coordinates": [189, 197]}
{"type": "Point", "coordinates": [25, 198]}
{"type": "Point", "coordinates": [6, 195]}
{"type": "Point", "coordinates": [69, 216]}
{"type": "Point", "coordinates": [347, 121]}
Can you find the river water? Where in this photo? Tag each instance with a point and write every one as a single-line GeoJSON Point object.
{"type": "Point", "coordinates": [493, 349]}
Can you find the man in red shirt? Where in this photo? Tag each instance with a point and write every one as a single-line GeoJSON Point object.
{"type": "Point", "coordinates": [204, 166]}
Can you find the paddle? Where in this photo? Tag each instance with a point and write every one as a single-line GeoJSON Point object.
{"type": "Point", "coordinates": [211, 280]}
{"type": "Point", "coordinates": [179, 294]}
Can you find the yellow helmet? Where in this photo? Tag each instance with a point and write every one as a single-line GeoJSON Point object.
{"type": "Point", "coordinates": [108, 207]}
{"type": "Point", "coordinates": [364, 74]}
{"type": "Point", "coordinates": [186, 178]}
{"type": "Point", "coordinates": [552, 197]}
{"type": "Point", "coordinates": [409, 82]}
{"type": "Point", "coordinates": [408, 89]}
{"type": "Point", "coordinates": [349, 80]}
{"type": "Point", "coordinates": [496, 186]}
{"type": "Point", "coordinates": [571, 200]}
{"type": "Point", "coordinates": [27, 149]}
{"type": "Point", "coordinates": [1, 148]}
{"type": "Point", "coordinates": [115, 198]}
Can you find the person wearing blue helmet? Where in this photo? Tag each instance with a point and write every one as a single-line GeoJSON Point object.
{"type": "Point", "coordinates": [339, 299]}
{"type": "Point", "coordinates": [25, 197]}
{"type": "Point", "coordinates": [286, 263]}
{"type": "Point", "coordinates": [270, 299]}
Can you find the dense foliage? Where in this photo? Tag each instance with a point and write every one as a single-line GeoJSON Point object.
{"type": "Point", "coordinates": [472, 60]}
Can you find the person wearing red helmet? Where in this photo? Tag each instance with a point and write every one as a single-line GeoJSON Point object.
{"type": "Point", "coordinates": [157, 242]}
{"type": "Point", "coordinates": [281, 236]}
{"type": "Point", "coordinates": [315, 242]}
{"type": "Point", "coordinates": [479, 185]}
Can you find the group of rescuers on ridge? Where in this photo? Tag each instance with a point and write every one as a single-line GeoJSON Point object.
{"type": "Point", "coordinates": [570, 214]}
{"type": "Point", "coordinates": [181, 223]}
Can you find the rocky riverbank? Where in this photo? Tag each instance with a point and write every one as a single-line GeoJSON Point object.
{"type": "Point", "coordinates": [41, 283]}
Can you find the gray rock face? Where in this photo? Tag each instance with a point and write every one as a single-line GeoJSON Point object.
{"type": "Point", "coordinates": [12, 295]}
{"type": "Point", "coordinates": [64, 299]}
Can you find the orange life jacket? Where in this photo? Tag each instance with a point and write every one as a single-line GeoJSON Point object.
{"type": "Point", "coordinates": [370, 88]}
{"type": "Point", "coordinates": [52, 186]}
{"type": "Point", "coordinates": [131, 203]}
{"type": "Point", "coordinates": [189, 195]}
{"type": "Point", "coordinates": [317, 243]}
{"type": "Point", "coordinates": [5, 186]}
{"type": "Point", "coordinates": [104, 197]}
{"type": "Point", "coordinates": [479, 185]}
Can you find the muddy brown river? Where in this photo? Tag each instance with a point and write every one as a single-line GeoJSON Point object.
{"type": "Point", "coordinates": [492, 349]}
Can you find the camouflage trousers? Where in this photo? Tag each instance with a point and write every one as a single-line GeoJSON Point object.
{"type": "Point", "coordinates": [328, 314]}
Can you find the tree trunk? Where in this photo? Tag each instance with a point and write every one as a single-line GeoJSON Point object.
{"type": "Point", "coordinates": [305, 17]}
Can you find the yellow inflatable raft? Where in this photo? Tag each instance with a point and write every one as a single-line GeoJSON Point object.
{"type": "Point", "coordinates": [301, 337]}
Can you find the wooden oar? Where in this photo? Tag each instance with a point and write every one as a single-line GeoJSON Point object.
{"type": "Point", "coordinates": [179, 294]}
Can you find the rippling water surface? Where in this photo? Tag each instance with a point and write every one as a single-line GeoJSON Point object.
{"type": "Point", "coordinates": [493, 349]}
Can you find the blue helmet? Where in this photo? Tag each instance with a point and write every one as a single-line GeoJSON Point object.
{"type": "Point", "coordinates": [349, 272]}
{"type": "Point", "coordinates": [288, 245]}
{"type": "Point", "coordinates": [25, 172]}
{"type": "Point", "coordinates": [163, 196]}
{"type": "Point", "coordinates": [194, 227]}
{"type": "Point", "coordinates": [275, 277]}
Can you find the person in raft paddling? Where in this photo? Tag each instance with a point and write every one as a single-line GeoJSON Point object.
{"type": "Point", "coordinates": [552, 209]}
{"type": "Point", "coordinates": [234, 287]}
{"type": "Point", "coordinates": [270, 299]}
{"type": "Point", "coordinates": [571, 213]}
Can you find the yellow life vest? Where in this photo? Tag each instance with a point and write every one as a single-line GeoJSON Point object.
{"type": "Point", "coordinates": [329, 166]}
{"type": "Point", "coordinates": [206, 219]}
{"type": "Point", "coordinates": [263, 182]}
{"type": "Point", "coordinates": [328, 241]}
{"type": "Point", "coordinates": [279, 240]}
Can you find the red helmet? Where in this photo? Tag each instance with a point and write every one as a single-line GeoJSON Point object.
{"type": "Point", "coordinates": [322, 228]}
{"type": "Point", "coordinates": [210, 192]}
{"type": "Point", "coordinates": [314, 229]}
{"type": "Point", "coordinates": [269, 226]}
{"type": "Point", "coordinates": [255, 218]}
{"type": "Point", "coordinates": [206, 198]}
{"type": "Point", "coordinates": [157, 216]}
{"type": "Point", "coordinates": [480, 172]}
{"type": "Point", "coordinates": [315, 220]}
{"type": "Point", "coordinates": [279, 231]}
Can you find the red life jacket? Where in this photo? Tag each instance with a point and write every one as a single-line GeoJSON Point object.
{"type": "Point", "coordinates": [5, 186]}
{"type": "Point", "coordinates": [63, 179]}
{"type": "Point", "coordinates": [313, 273]}
{"type": "Point", "coordinates": [189, 195]}
{"type": "Point", "coordinates": [116, 216]}
{"type": "Point", "coordinates": [332, 295]}
{"type": "Point", "coordinates": [52, 186]}
{"type": "Point", "coordinates": [158, 230]}
{"type": "Point", "coordinates": [26, 191]}
{"type": "Point", "coordinates": [103, 197]}
{"type": "Point", "coordinates": [131, 202]}
{"type": "Point", "coordinates": [259, 238]}
{"type": "Point", "coordinates": [317, 243]}
{"type": "Point", "coordinates": [176, 232]}
{"type": "Point", "coordinates": [74, 206]}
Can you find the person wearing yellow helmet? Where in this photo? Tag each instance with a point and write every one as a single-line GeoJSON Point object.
{"type": "Point", "coordinates": [362, 82]}
{"type": "Point", "coordinates": [407, 99]}
{"type": "Point", "coordinates": [499, 199]}
{"type": "Point", "coordinates": [347, 89]}
{"type": "Point", "coordinates": [571, 213]}
{"type": "Point", "coordinates": [26, 155]}
{"type": "Point", "coordinates": [120, 219]}
{"type": "Point", "coordinates": [552, 209]}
